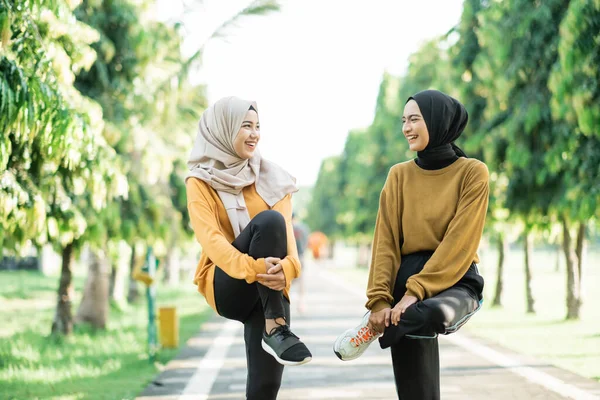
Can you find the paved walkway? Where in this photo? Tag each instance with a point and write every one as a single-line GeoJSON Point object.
{"type": "Point", "coordinates": [212, 365]}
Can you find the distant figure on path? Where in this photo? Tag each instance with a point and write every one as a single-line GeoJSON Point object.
{"type": "Point", "coordinates": [423, 279]}
{"type": "Point", "coordinates": [316, 242]}
{"type": "Point", "coordinates": [241, 211]}
{"type": "Point", "coordinates": [301, 233]}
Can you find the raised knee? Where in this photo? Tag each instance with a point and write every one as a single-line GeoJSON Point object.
{"type": "Point", "coordinates": [270, 219]}
{"type": "Point", "coordinates": [439, 316]}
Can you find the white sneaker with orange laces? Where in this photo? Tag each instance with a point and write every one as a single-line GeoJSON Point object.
{"type": "Point", "coordinates": [353, 342]}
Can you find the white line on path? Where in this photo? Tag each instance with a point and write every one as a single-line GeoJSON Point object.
{"type": "Point", "coordinates": [531, 374]}
{"type": "Point", "coordinates": [200, 384]}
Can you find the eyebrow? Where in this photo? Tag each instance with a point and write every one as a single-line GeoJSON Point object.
{"type": "Point", "coordinates": [250, 122]}
{"type": "Point", "coordinates": [411, 115]}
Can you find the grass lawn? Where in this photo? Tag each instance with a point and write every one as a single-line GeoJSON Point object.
{"type": "Point", "coordinates": [111, 364]}
{"type": "Point", "coordinates": [572, 345]}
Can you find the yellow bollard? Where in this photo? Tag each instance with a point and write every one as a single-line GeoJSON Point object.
{"type": "Point", "coordinates": [169, 327]}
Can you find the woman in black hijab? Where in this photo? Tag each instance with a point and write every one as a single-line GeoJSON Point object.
{"type": "Point", "coordinates": [445, 119]}
{"type": "Point", "coordinates": [423, 279]}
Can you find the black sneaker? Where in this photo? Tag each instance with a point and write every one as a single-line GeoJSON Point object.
{"type": "Point", "coordinates": [285, 347]}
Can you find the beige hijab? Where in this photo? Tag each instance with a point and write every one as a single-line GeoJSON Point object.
{"type": "Point", "coordinates": [214, 160]}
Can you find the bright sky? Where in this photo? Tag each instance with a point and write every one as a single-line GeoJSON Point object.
{"type": "Point", "coordinates": [314, 68]}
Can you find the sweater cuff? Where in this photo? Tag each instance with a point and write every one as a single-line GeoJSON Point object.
{"type": "Point", "coordinates": [288, 271]}
{"type": "Point", "coordinates": [380, 305]}
{"type": "Point", "coordinates": [414, 289]}
{"type": "Point", "coordinates": [258, 266]}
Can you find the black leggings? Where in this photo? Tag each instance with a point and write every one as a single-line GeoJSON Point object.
{"type": "Point", "coordinates": [413, 342]}
{"type": "Point", "coordinates": [265, 236]}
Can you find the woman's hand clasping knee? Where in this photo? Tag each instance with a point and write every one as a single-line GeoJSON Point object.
{"type": "Point", "coordinates": [274, 278]}
{"type": "Point", "coordinates": [399, 309]}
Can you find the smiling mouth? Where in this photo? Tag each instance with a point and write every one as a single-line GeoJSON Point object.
{"type": "Point", "coordinates": [412, 138]}
{"type": "Point", "coordinates": [251, 145]}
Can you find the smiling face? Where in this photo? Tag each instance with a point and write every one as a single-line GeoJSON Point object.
{"type": "Point", "coordinates": [414, 127]}
{"type": "Point", "coordinates": [248, 136]}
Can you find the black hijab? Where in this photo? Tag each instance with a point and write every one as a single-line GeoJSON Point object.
{"type": "Point", "coordinates": [445, 118]}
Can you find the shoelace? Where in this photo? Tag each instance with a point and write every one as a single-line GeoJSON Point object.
{"type": "Point", "coordinates": [364, 335]}
{"type": "Point", "coordinates": [285, 332]}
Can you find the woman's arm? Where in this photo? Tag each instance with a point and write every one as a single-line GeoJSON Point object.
{"type": "Point", "coordinates": [458, 248]}
{"type": "Point", "coordinates": [203, 216]}
{"type": "Point", "coordinates": [387, 242]}
{"type": "Point", "coordinates": [291, 263]}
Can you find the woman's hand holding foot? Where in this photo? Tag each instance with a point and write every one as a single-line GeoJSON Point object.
{"type": "Point", "coordinates": [380, 320]}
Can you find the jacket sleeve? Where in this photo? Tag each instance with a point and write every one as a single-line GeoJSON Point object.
{"type": "Point", "coordinates": [387, 242]}
{"type": "Point", "coordinates": [203, 217]}
{"type": "Point", "coordinates": [291, 263]}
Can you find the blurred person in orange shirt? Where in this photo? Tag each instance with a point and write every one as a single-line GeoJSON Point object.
{"type": "Point", "coordinates": [317, 242]}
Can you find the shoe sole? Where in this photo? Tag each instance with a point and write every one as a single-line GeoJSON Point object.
{"type": "Point", "coordinates": [269, 350]}
{"type": "Point", "coordinates": [338, 354]}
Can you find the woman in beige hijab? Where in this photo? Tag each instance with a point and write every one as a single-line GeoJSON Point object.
{"type": "Point", "coordinates": [241, 212]}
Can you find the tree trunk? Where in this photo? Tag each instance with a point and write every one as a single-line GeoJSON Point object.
{"type": "Point", "coordinates": [172, 265]}
{"type": "Point", "coordinates": [579, 252]}
{"type": "Point", "coordinates": [573, 280]}
{"type": "Point", "coordinates": [330, 249]}
{"type": "Point", "coordinates": [94, 304]}
{"type": "Point", "coordinates": [63, 318]}
{"type": "Point", "coordinates": [167, 265]}
{"type": "Point", "coordinates": [362, 261]}
{"type": "Point", "coordinates": [528, 293]}
{"type": "Point", "coordinates": [132, 292]}
{"type": "Point", "coordinates": [118, 280]}
{"type": "Point", "coordinates": [174, 261]}
{"type": "Point", "coordinates": [497, 302]}
{"type": "Point", "coordinates": [113, 278]}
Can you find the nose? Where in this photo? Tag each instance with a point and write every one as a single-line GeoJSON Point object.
{"type": "Point", "coordinates": [405, 128]}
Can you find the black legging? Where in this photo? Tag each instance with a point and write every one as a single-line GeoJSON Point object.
{"type": "Point", "coordinates": [416, 362]}
{"type": "Point", "coordinates": [250, 304]}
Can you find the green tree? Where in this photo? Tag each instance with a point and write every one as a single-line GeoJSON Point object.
{"type": "Point", "coordinates": [49, 132]}
{"type": "Point", "coordinates": [472, 91]}
{"type": "Point", "coordinates": [323, 208]}
{"type": "Point", "coordinates": [385, 146]}
{"type": "Point", "coordinates": [575, 87]}
{"type": "Point", "coordinates": [52, 150]}
{"type": "Point", "coordinates": [354, 161]}
{"type": "Point", "coordinates": [517, 67]}
{"type": "Point", "coordinates": [70, 175]}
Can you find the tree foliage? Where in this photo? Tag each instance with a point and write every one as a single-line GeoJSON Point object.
{"type": "Point", "coordinates": [51, 142]}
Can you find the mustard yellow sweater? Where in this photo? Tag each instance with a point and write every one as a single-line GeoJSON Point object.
{"type": "Point", "coordinates": [214, 233]}
{"type": "Point", "coordinates": [442, 211]}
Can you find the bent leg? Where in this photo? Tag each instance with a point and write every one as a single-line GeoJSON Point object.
{"type": "Point", "coordinates": [444, 313]}
{"type": "Point", "coordinates": [266, 236]}
{"type": "Point", "coordinates": [451, 309]}
{"type": "Point", "coordinates": [250, 304]}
